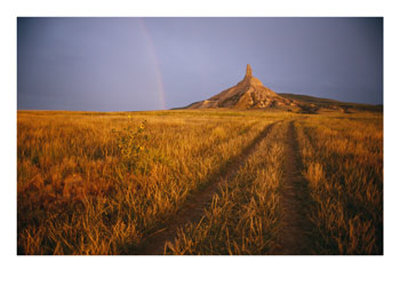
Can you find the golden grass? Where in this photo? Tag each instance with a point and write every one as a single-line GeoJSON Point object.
{"type": "Point", "coordinates": [100, 183]}
{"type": "Point", "coordinates": [76, 194]}
{"type": "Point", "coordinates": [343, 162]}
{"type": "Point", "coordinates": [244, 215]}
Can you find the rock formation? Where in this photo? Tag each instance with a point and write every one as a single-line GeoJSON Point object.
{"type": "Point", "coordinates": [249, 93]}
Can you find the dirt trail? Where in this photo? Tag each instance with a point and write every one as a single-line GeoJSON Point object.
{"type": "Point", "coordinates": [193, 209]}
{"type": "Point", "coordinates": [295, 228]}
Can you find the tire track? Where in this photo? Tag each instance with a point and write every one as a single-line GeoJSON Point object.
{"type": "Point", "coordinates": [193, 209]}
{"type": "Point", "coordinates": [295, 228]}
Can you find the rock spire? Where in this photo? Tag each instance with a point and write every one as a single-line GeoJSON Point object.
{"type": "Point", "coordinates": [249, 93]}
{"type": "Point", "coordinates": [249, 73]}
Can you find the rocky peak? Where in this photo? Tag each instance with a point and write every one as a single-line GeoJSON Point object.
{"type": "Point", "coordinates": [249, 73]}
{"type": "Point", "coordinates": [248, 93]}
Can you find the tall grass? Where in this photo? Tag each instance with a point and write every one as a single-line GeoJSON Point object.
{"type": "Point", "coordinates": [100, 183]}
{"type": "Point", "coordinates": [343, 161]}
{"type": "Point", "coordinates": [76, 194]}
{"type": "Point", "coordinates": [244, 215]}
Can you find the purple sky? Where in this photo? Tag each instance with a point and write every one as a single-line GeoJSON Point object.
{"type": "Point", "coordinates": [121, 64]}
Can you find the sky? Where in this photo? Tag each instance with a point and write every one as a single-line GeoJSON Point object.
{"type": "Point", "coordinates": [135, 64]}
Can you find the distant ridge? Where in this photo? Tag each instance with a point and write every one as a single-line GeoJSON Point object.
{"type": "Point", "coordinates": [250, 93]}
{"type": "Point", "coordinates": [312, 104]}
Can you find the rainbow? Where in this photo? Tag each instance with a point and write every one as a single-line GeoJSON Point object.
{"type": "Point", "coordinates": [156, 64]}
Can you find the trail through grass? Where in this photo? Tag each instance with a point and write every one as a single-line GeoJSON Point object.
{"type": "Point", "coordinates": [103, 183]}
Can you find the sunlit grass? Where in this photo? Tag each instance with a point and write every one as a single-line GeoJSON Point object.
{"type": "Point", "coordinates": [244, 214]}
{"type": "Point", "coordinates": [76, 194]}
{"type": "Point", "coordinates": [100, 183]}
{"type": "Point", "coordinates": [343, 161]}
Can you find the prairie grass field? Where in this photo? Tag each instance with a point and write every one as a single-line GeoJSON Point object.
{"type": "Point", "coordinates": [212, 182]}
{"type": "Point", "coordinates": [343, 161]}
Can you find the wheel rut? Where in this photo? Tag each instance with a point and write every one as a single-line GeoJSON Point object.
{"type": "Point", "coordinates": [295, 228]}
{"type": "Point", "coordinates": [193, 209]}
